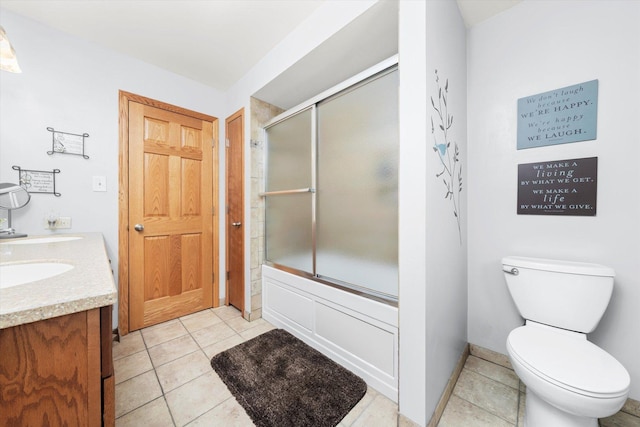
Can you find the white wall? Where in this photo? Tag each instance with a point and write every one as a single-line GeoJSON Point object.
{"type": "Point", "coordinates": [433, 283]}
{"type": "Point", "coordinates": [81, 94]}
{"type": "Point", "coordinates": [412, 199]}
{"type": "Point", "coordinates": [72, 85]}
{"type": "Point", "coordinates": [325, 21]}
{"type": "Point", "coordinates": [535, 47]}
{"type": "Point", "coordinates": [328, 19]}
{"type": "Point", "coordinates": [446, 255]}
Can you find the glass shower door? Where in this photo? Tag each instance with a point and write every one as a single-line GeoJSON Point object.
{"type": "Point", "coordinates": [331, 188]}
{"type": "Point", "coordinates": [357, 190]}
{"type": "Point", "coordinates": [288, 192]}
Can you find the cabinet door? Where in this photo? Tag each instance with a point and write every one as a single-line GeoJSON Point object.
{"type": "Point", "coordinates": [50, 372]}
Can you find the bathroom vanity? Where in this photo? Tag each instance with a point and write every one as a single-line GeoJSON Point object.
{"type": "Point", "coordinates": [56, 365]}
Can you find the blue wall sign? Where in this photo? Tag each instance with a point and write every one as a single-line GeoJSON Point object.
{"type": "Point", "coordinates": [569, 114]}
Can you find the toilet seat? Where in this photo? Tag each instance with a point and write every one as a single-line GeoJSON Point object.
{"type": "Point", "coordinates": [569, 362]}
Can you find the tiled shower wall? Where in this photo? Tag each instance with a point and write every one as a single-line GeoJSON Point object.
{"type": "Point", "coordinates": [261, 113]}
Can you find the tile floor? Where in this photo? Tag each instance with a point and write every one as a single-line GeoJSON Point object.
{"type": "Point", "coordinates": [491, 395]}
{"type": "Point", "coordinates": [164, 378]}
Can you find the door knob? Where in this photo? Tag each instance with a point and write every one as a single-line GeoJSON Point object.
{"type": "Point", "coordinates": [236, 224]}
{"type": "Point", "coordinates": [138, 227]}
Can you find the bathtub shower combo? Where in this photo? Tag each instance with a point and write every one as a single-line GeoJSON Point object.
{"type": "Point", "coordinates": [331, 224]}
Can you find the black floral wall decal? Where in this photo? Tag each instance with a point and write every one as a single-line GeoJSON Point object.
{"type": "Point", "coordinates": [449, 156]}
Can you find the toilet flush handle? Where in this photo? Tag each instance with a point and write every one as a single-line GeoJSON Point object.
{"type": "Point", "coordinates": [511, 270]}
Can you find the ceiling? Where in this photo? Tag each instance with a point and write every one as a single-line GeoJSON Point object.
{"type": "Point", "coordinates": [216, 42]}
{"type": "Point", "coordinates": [476, 11]}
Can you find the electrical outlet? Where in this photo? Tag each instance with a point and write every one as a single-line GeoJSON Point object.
{"type": "Point", "coordinates": [61, 222]}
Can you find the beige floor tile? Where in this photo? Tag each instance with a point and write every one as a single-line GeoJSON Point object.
{"type": "Point", "coordinates": [131, 366]}
{"type": "Point", "coordinates": [180, 371]}
{"type": "Point", "coordinates": [193, 391]}
{"type": "Point", "coordinates": [136, 392]}
{"type": "Point", "coordinates": [199, 320]}
{"type": "Point", "coordinates": [163, 332]}
{"type": "Point", "coordinates": [382, 412]}
{"type": "Point", "coordinates": [225, 344]}
{"type": "Point", "coordinates": [459, 413]}
{"type": "Point", "coordinates": [492, 396]}
{"type": "Point", "coordinates": [406, 422]}
{"type": "Point", "coordinates": [129, 344]}
{"type": "Point", "coordinates": [227, 312]}
{"type": "Point", "coordinates": [258, 330]}
{"type": "Point", "coordinates": [621, 419]}
{"type": "Point", "coordinates": [228, 414]}
{"type": "Point", "coordinates": [632, 407]}
{"type": "Point", "coordinates": [153, 414]}
{"type": "Point", "coordinates": [160, 325]}
{"type": "Point", "coordinates": [171, 350]}
{"type": "Point", "coordinates": [197, 397]}
{"type": "Point", "coordinates": [493, 371]}
{"type": "Point", "coordinates": [212, 334]}
{"type": "Point", "coordinates": [239, 324]}
{"type": "Point", "coordinates": [357, 410]}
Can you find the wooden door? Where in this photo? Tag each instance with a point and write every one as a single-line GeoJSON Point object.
{"type": "Point", "coordinates": [234, 131]}
{"type": "Point", "coordinates": [170, 214]}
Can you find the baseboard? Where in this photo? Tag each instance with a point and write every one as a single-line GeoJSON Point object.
{"type": "Point", "coordinates": [448, 390]}
{"type": "Point", "coordinates": [490, 356]}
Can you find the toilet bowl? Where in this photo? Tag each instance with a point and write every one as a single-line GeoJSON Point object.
{"type": "Point", "coordinates": [570, 381]}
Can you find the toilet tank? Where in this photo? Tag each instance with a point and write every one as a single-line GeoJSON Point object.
{"type": "Point", "coordinates": [565, 294]}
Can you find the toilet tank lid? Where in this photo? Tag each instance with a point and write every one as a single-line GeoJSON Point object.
{"type": "Point", "coordinates": [571, 267]}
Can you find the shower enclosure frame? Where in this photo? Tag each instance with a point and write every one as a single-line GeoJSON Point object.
{"type": "Point", "coordinates": [380, 70]}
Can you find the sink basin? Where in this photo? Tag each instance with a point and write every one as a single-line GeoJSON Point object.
{"type": "Point", "coordinates": [18, 274]}
{"type": "Point", "coordinates": [38, 240]}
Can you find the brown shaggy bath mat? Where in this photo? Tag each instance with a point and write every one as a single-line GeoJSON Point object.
{"type": "Point", "coordinates": [281, 381]}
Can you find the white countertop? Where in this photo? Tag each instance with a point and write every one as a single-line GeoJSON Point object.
{"type": "Point", "coordinates": [88, 285]}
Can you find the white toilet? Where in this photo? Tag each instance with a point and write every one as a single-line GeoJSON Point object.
{"type": "Point", "coordinates": [570, 381]}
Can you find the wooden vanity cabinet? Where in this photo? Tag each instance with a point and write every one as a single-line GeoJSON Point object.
{"type": "Point", "coordinates": [58, 371]}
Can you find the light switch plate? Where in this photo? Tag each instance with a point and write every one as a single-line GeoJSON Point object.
{"type": "Point", "coordinates": [99, 183]}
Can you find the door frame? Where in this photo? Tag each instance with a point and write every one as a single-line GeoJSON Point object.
{"type": "Point", "coordinates": [123, 199]}
{"type": "Point", "coordinates": [234, 116]}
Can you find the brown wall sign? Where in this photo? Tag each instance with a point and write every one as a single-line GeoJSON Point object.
{"type": "Point", "coordinates": [559, 187]}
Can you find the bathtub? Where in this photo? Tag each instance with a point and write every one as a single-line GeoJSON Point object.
{"type": "Point", "coordinates": [357, 332]}
{"type": "Point", "coordinates": [381, 278]}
